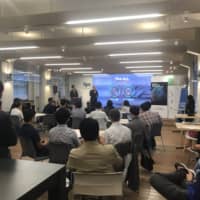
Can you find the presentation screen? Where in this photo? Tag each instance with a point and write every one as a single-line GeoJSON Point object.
{"type": "Point", "coordinates": [159, 93]}
{"type": "Point", "coordinates": [136, 88]}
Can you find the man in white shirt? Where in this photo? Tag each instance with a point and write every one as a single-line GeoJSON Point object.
{"type": "Point", "coordinates": [117, 133]}
{"type": "Point", "coordinates": [100, 116]}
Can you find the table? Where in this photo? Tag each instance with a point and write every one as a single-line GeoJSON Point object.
{"type": "Point", "coordinates": [185, 116]}
{"type": "Point", "coordinates": [27, 180]}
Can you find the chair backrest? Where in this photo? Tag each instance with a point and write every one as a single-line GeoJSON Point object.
{"type": "Point", "coordinates": [49, 121]}
{"type": "Point", "coordinates": [58, 152]}
{"type": "Point", "coordinates": [76, 122]}
{"type": "Point", "coordinates": [98, 184]}
{"type": "Point", "coordinates": [156, 129]}
{"type": "Point", "coordinates": [28, 148]}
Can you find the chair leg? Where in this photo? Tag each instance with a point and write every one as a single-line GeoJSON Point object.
{"type": "Point", "coordinates": [162, 143]}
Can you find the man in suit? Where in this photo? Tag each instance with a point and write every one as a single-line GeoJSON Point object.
{"type": "Point", "coordinates": [92, 156]}
{"type": "Point", "coordinates": [73, 92]}
{"type": "Point", "coordinates": [93, 97]}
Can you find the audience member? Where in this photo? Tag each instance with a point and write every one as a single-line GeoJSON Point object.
{"type": "Point", "coordinates": [62, 133]}
{"type": "Point", "coordinates": [8, 136]}
{"type": "Point", "coordinates": [50, 108]}
{"type": "Point", "coordinates": [30, 133]}
{"type": "Point", "coordinates": [100, 116]}
{"type": "Point", "coordinates": [126, 107]}
{"type": "Point", "coordinates": [183, 184]}
{"type": "Point", "coordinates": [88, 108]}
{"type": "Point", "coordinates": [77, 111]}
{"type": "Point", "coordinates": [16, 109]}
{"type": "Point", "coordinates": [92, 156]}
{"type": "Point", "coordinates": [116, 133]}
{"type": "Point", "coordinates": [108, 107]}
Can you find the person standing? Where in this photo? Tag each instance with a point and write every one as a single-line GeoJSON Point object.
{"type": "Point", "coordinates": [93, 96]}
{"type": "Point", "coordinates": [8, 135]}
{"type": "Point", "coordinates": [73, 92]}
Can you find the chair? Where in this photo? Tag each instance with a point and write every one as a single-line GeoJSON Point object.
{"type": "Point", "coordinates": [156, 130]}
{"type": "Point", "coordinates": [28, 149]}
{"type": "Point", "coordinates": [58, 152]}
{"type": "Point", "coordinates": [76, 122]}
{"type": "Point", "coordinates": [98, 184]}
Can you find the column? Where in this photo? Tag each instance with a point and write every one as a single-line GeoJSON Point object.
{"type": "Point", "coordinates": [6, 70]}
{"type": "Point", "coordinates": [198, 91]}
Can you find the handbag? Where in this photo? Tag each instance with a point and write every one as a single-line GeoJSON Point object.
{"type": "Point", "coordinates": [147, 162]}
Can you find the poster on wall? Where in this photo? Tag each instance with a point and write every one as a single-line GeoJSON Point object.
{"type": "Point", "coordinates": [159, 92]}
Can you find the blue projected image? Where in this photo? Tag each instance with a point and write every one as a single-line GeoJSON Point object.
{"type": "Point", "coordinates": [135, 88]}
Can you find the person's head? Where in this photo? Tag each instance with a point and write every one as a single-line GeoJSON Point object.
{"type": "Point", "coordinates": [98, 105]}
{"type": "Point", "coordinates": [1, 89]}
{"type": "Point", "coordinates": [17, 103]}
{"type": "Point", "coordinates": [73, 86]}
{"type": "Point", "coordinates": [78, 104]}
{"type": "Point", "coordinates": [93, 87]}
{"type": "Point", "coordinates": [126, 103]}
{"type": "Point", "coordinates": [145, 106]}
{"type": "Point", "coordinates": [89, 129]}
{"type": "Point", "coordinates": [28, 115]}
{"type": "Point", "coordinates": [63, 102]}
{"type": "Point", "coordinates": [50, 100]}
{"type": "Point", "coordinates": [114, 115]}
{"type": "Point", "coordinates": [109, 104]}
{"type": "Point", "coordinates": [134, 110]}
{"type": "Point", "coordinates": [62, 115]}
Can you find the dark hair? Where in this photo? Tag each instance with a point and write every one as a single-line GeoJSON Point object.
{"type": "Point", "coordinates": [98, 105]}
{"type": "Point", "coordinates": [146, 106]}
{"type": "Point", "coordinates": [1, 87]}
{"type": "Point", "coordinates": [50, 99]}
{"type": "Point", "coordinates": [16, 103]}
{"type": "Point", "coordinates": [109, 104]}
{"type": "Point", "coordinates": [28, 115]}
{"type": "Point", "coordinates": [114, 115]}
{"type": "Point", "coordinates": [78, 104]}
{"type": "Point", "coordinates": [134, 110]}
{"type": "Point", "coordinates": [190, 98]}
{"type": "Point", "coordinates": [63, 102]}
{"type": "Point", "coordinates": [62, 115]}
{"type": "Point", "coordinates": [89, 129]}
{"type": "Point", "coordinates": [73, 86]}
{"type": "Point", "coordinates": [126, 103]}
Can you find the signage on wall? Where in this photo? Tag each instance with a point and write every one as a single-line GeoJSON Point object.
{"type": "Point", "coordinates": [86, 85]}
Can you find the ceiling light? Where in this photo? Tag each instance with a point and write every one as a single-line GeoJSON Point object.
{"type": "Point", "coordinates": [148, 70]}
{"type": "Point", "coordinates": [114, 19]}
{"type": "Point", "coordinates": [61, 64]}
{"type": "Point", "coordinates": [185, 66]}
{"type": "Point", "coordinates": [141, 61]}
{"type": "Point", "coordinates": [18, 48]}
{"type": "Point", "coordinates": [135, 54]}
{"type": "Point", "coordinates": [193, 53]}
{"type": "Point", "coordinates": [40, 57]}
{"type": "Point", "coordinates": [140, 67]}
{"type": "Point", "coordinates": [88, 72]}
{"type": "Point", "coordinates": [149, 73]}
{"type": "Point", "coordinates": [128, 42]}
{"type": "Point", "coordinates": [75, 68]}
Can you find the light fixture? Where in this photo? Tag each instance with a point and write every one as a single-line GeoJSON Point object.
{"type": "Point", "coordinates": [193, 53]}
{"type": "Point", "coordinates": [148, 70]}
{"type": "Point", "coordinates": [40, 57]}
{"type": "Point", "coordinates": [128, 42]}
{"type": "Point", "coordinates": [87, 72]}
{"type": "Point", "coordinates": [140, 67]}
{"type": "Point", "coordinates": [147, 73]}
{"type": "Point", "coordinates": [135, 54]}
{"type": "Point", "coordinates": [61, 64]}
{"type": "Point", "coordinates": [18, 48]}
{"type": "Point", "coordinates": [75, 68]}
{"type": "Point", "coordinates": [185, 66]}
{"type": "Point", "coordinates": [114, 19]}
{"type": "Point", "coordinates": [141, 61]}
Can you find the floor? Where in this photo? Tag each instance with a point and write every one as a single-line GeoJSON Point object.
{"type": "Point", "coordinates": [164, 159]}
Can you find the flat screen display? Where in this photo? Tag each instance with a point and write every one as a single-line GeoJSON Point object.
{"type": "Point", "coordinates": [136, 88]}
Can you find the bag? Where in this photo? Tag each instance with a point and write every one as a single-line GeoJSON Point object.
{"type": "Point", "coordinates": [147, 162]}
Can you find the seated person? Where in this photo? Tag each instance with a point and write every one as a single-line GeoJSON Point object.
{"type": "Point", "coordinates": [29, 132]}
{"type": "Point", "coordinates": [77, 111]}
{"type": "Point", "coordinates": [116, 133]}
{"type": "Point", "coordinates": [92, 156]}
{"type": "Point", "coordinates": [62, 133]}
{"type": "Point", "coordinates": [125, 107]}
{"type": "Point", "coordinates": [100, 116]}
{"type": "Point", "coordinates": [50, 108]}
{"type": "Point", "coordinates": [183, 184]}
{"type": "Point", "coordinates": [108, 107]}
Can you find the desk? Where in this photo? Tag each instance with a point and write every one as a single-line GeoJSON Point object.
{"type": "Point", "coordinates": [188, 127]}
{"type": "Point", "coordinates": [27, 180]}
{"type": "Point", "coordinates": [185, 116]}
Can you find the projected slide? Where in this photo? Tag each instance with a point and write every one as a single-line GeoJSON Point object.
{"type": "Point", "coordinates": [135, 88]}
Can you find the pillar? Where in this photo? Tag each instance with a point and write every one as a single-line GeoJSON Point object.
{"type": "Point", "coordinates": [198, 92]}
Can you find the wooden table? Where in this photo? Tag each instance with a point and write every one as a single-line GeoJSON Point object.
{"type": "Point", "coordinates": [185, 116]}
{"type": "Point", "coordinates": [27, 180]}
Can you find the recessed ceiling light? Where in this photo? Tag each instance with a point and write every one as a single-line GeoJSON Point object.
{"type": "Point", "coordinates": [135, 54]}
{"type": "Point", "coordinates": [141, 61]}
{"type": "Point", "coordinates": [87, 72]}
{"type": "Point", "coordinates": [75, 68]}
{"type": "Point", "coordinates": [114, 19]}
{"type": "Point", "coordinates": [140, 67]}
{"type": "Point", "coordinates": [128, 42]}
{"type": "Point", "coordinates": [40, 57]}
{"type": "Point", "coordinates": [18, 48]}
{"type": "Point", "coordinates": [61, 64]}
{"type": "Point", "coordinates": [148, 70]}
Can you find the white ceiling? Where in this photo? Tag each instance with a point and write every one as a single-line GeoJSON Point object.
{"type": "Point", "coordinates": [44, 20]}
